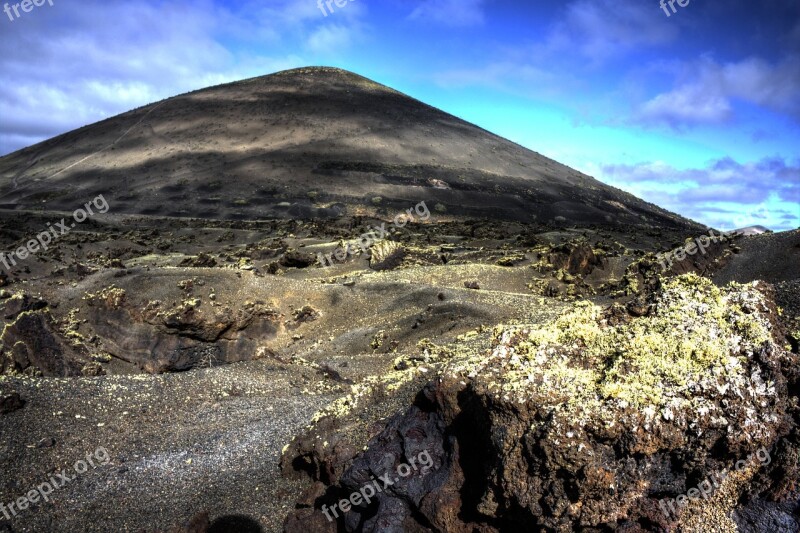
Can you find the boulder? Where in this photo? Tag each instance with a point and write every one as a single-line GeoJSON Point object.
{"type": "Point", "coordinates": [584, 425]}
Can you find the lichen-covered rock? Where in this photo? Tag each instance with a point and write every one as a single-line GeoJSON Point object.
{"type": "Point", "coordinates": [575, 258]}
{"type": "Point", "coordinates": [159, 338]}
{"type": "Point", "coordinates": [30, 343]}
{"type": "Point", "coordinates": [587, 424]}
{"type": "Point", "coordinates": [386, 255]}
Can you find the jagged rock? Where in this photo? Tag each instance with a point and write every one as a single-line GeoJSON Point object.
{"type": "Point", "coordinates": [580, 425]}
{"type": "Point", "coordinates": [574, 258]}
{"type": "Point", "coordinates": [84, 270]}
{"type": "Point", "coordinates": [554, 288]}
{"type": "Point", "coordinates": [187, 335]}
{"type": "Point", "coordinates": [297, 259]}
{"type": "Point", "coordinates": [30, 342]}
{"type": "Point", "coordinates": [92, 368]}
{"type": "Point", "coordinates": [762, 516]}
{"type": "Point", "coordinates": [306, 314]}
{"type": "Point", "coordinates": [203, 260]}
{"type": "Point", "coordinates": [638, 307]}
{"type": "Point", "coordinates": [20, 303]}
{"type": "Point", "coordinates": [386, 255]}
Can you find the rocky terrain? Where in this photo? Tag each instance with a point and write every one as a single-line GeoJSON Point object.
{"type": "Point", "coordinates": [305, 282]}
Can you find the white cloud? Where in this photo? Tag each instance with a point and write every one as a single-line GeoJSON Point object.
{"type": "Point", "coordinates": [706, 92]}
{"type": "Point", "coordinates": [692, 103]}
{"type": "Point", "coordinates": [69, 66]}
{"type": "Point", "coordinates": [329, 39]}
{"type": "Point", "coordinates": [724, 194]}
{"type": "Point", "coordinates": [603, 29]}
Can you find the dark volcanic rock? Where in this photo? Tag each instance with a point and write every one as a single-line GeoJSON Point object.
{"type": "Point", "coordinates": [203, 260]}
{"type": "Point", "coordinates": [186, 336]}
{"type": "Point", "coordinates": [586, 426]}
{"type": "Point", "coordinates": [760, 516]}
{"type": "Point", "coordinates": [30, 343]}
{"type": "Point", "coordinates": [575, 258]}
{"type": "Point", "coordinates": [10, 403]}
{"type": "Point", "coordinates": [297, 259]}
{"type": "Point", "coordinates": [22, 303]}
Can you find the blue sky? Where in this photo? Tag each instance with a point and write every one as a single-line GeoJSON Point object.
{"type": "Point", "coordinates": [698, 112]}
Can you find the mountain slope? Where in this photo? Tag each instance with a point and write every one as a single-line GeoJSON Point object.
{"type": "Point", "coordinates": [325, 141]}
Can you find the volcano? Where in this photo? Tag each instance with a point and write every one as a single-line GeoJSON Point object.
{"type": "Point", "coordinates": [322, 140]}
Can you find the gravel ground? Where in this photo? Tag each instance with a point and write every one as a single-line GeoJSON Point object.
{"type": "Point", "coordinates": [773, 257]}
{"type": "Point", "coordinates": [206, 440]}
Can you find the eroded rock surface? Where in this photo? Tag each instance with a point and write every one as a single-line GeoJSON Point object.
{"type": "Point", "coordinates": [583, 425]}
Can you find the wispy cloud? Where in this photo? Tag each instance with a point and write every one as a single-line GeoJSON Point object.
{"type": "Point", "coordinates": [724, 194]}
{"type": "Point", "coordinates": [87, 69]}
{"type": "Point", "coordinates": [706, 90]}
{"type": "Point", "coordinates": [330, 38]}
{"type": "Point", "coordinates": [600, 30]}
{"type": "Point", "coordinates": [587, 34]}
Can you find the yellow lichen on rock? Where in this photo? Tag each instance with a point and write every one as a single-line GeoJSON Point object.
{"type": "Point", "coordinates": [699, 338]}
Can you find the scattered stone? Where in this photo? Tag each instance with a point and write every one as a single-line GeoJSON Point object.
{"type": "Point", "coordinates": [84, 270]}
{"type": "Point", "coordinates": [10, 403]}
{"type": "Point", "coordinates": [93, 369]}
{"type": "Point", "coordinates": [305, 314]}
{"type": "Point", "coordinates": [472, 285]}
{"type": "Point", "coordinates": [202, 260]}
{"type": "Point", "coordinates": [331, 373]}
{"type": "Point", "coordinates": [47, 442]}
